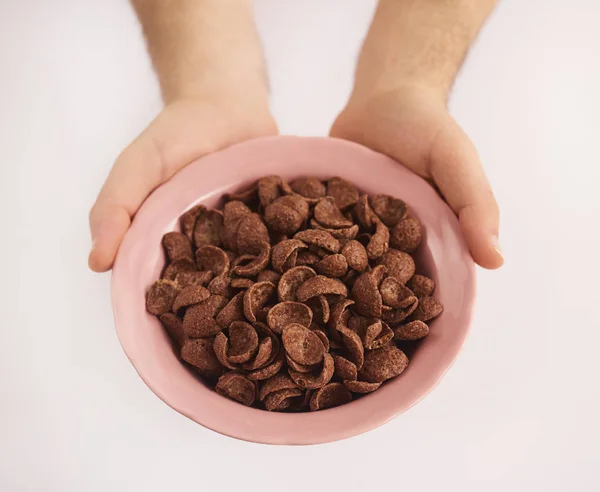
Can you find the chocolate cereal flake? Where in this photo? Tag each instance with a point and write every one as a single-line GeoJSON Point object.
{"type": "Point", "coordinates": [255, 298]}
{"type": "Point", "coordinates": [286, 214]}
{"type": "Point", "coordinates": [188, 220]}
{"type": "Point", "coordinates": [190, 296]}
{"type": "Point", "coordinates": [213, 259]}
{"type": "Point", "coordinates": [414, 330]}
{"type": "Point", "coordinates": [193, 278]}
{"type": "Point", "coordinates": [342, 234]}
{"type": "Point", "coordinates": [328, 214]}
{"type": "Point", "coordinates": [269, 276]}
{"type": "Point", "coordinates": [269, 370]}
{"type": "Point", "coordinates": [200, 354]}
{"type": "Point", "coordinates": [208, 228]}
{"type": "Point", "coordinates": [177, 246]}
{"type": "Point", "coordinates": [248, 197]}
{"type": "Point", "coordinates": [394, 293]}
{"type": "Point", "coordinates": [296, 366]}
{"type": "Point", "coordinates": [332, 266]}
{"type": "Point", "coordinates": [161, 296]}
{"type": "Point", "coordinates": [199, 320]}
{"type": "Point", "coordinates": [361, 386]}
{"type": "Point", "coordinates": [389, 209]}
{"type": "Point", "coordinates": [343, 192]}
{"type": "Point", "coordinates": [319, 305]}
{"type": "Point", "coordinates": [344, 369]}
{"type": "Point", "coordinates": [269, 189]}
{"type": "Point", "coordinates": [282, 399]}
{"type": "Point", "coordinates": [312, 188]}
{"type": "Point", "coordinates": [264, 355]}
{"type": "Point", "coordinates": [177, 267]}
{"type": "Point", "coordinates": [356, 255]}
{"type": "Point", "coordinates": [286, 313]}
{"type": "Point", "coordinates": [399, 264]}
{"type": "Point", "coordinates": [220, 286]}
{"type": "Point", "coordinates": [320, 285]}
{"type": "Point", "coordinates": [307, 258]}
{"type": "Point", "coordinates": [282, 251]}
{"type": "Point", "coordinates": [291, 280]}
{"type": "Point", "coordinates": [174, 326]}
{"type": "Point", "coordinates": [407, 235]}
{"type": "Point", "coordinates": [366, 296]}
{"type": "Point", "coordinates": [330, 395]}
{"type": "Point", "coordinates": [302, 345]}
{"type": "Point", "coordinates": [233, 213]}
{"type": "Point", "coordinates": [427, 309]}
{"type": "Point", "coordinates": [379, 242]}
{"type": "Point", "coordinates": [276, 383]}
{"type": "Point", "coordinates": [421, 286]}
{"type": "Point", "coordinates": [243, 341]}
{"type": "Point", "coordinates": [354, 346]}
{"type": "Point", "coordinates": [363, 213]}
{"type": "Point", "coordinates": [241, 283]}
{"type": "Point", "coordinates": [251, 265]}
{"type": "Point", "coordinates": [323, 337]}
{"type": "Point", "coordinates": [252, 235]}
{"type": "Point", "coordinates": [382, 364]}
{"type": "Point", "coordinates": [312, 381]}
{"type": "Point", "coordinates": [233, 311]}
{"type": "Point", "coordinates": [319, 238]}
{"type": "Point", "coordinates": [236, 386]}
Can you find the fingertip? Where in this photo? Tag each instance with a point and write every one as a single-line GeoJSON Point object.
{"type": "Point", "coordinates": [490, 258]}
{"type": "Point", "coordinates": [108, 227]}
{"type": "Point", "coordinates": [99, 260]}
{"type": "Point", "coordinates": [485, 248]}
{"type": "Point", "coordinates": [480, 225]}
{"type": "Point", "coordinates": [499, 255]}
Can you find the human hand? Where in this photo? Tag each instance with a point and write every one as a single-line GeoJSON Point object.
{"type": "Point", "coordinates": [185, 130]}
{"type": "Point", "coordinates": [413, 126]}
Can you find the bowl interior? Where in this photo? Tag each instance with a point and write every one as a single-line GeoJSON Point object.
{"type": "Point", "coordinates": [443, 256]}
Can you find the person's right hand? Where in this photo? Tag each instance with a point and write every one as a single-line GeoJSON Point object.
{"type": "Point", "coordinates": [185, 130]}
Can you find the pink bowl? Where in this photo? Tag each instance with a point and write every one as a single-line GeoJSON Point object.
{"type": "Point", "coordinates": [443, 256]}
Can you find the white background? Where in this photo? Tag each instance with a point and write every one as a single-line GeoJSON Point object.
{"type": "Point", "coordinates": [520, 409]}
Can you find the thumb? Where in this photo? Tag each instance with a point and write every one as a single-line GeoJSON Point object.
{"type": "Point", "coordinates": [136, 172]}
{"type": "Point", "coordinates": [172, 141]}
{"type": "Point", "coordinates": [458, 173]}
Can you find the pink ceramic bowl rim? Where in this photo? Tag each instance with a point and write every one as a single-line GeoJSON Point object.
{"type": "Point", "coordinates": [140, 259]}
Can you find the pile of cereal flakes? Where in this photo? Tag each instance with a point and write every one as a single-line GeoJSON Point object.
{"type": "Point", "coordinates": [295, 296]}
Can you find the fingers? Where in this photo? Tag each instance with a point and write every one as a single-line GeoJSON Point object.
{"type": "Point", "coordinates": [171, 141]}
{"type": "Point", "coordinates": [457, 171]}
{"type": "Point", "coordinates": [183, 132]}
{"type": "Point", "coordinates": [137, 171]}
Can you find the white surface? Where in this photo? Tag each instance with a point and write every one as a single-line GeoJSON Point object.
{"type": "Point", "coordinates": [519, 411]}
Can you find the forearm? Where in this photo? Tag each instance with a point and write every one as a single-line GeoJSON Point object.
{"type": "Point", "coordinates": [203, 47]}
{"type": "Point", "coordinates": [419, 43]}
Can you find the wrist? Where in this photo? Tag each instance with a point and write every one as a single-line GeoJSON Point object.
{"type": "Point", "coordinates": [247, 111]}
{"type": "Point", "coordinates": [222, 73]}
{"type": "Point", "coordinates": [226, 90]}
{"type": "Point", "coordinates": [387, 74]}
{"type": "Point", "coordinates": [402, 89]}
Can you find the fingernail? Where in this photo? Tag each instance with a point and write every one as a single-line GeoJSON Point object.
{"type": "Point", "coordinates": [91, 256]}
{"type": "Point", "coordinates": [496, 246]}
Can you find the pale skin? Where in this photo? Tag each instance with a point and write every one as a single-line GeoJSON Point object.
{"type": "Point", "coordinates": [208, 60]}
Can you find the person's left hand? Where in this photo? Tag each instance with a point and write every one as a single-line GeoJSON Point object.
{"type": "Point", "coordinates": [413, 126]}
